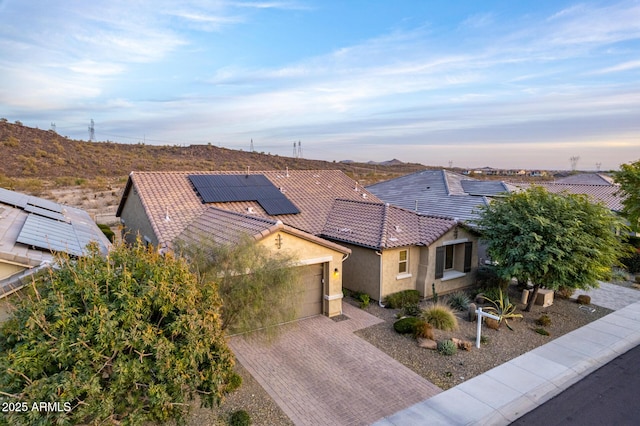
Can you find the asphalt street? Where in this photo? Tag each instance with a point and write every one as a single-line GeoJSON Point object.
{"type": "Point", "coordinates": [608, 396]}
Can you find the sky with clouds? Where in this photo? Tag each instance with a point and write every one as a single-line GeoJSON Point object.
{"type": "Point", "coordinates": [476, 83]}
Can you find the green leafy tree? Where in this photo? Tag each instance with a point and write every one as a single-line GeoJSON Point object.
{"type": "Point", "coordinates": [629, 179]}
{"type": "Point", "coordinates": [553, 240]}
{"type": "Point", "coordinates": [125, 339]}
{"type": "Point", "coordinates": [257, 286]}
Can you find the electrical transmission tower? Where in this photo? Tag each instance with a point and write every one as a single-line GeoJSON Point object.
{"type": "Point", "coordinates": [598, 165]}
{"type": "Point", "coordinates": [295, 151]}
{"type": "Point", "coordinates": [574, 162]}
{"type": "Point", "coordinates": [251, 146]}
{"type": "Point", "coordinates": [92, 131]}
{"type": "Point", "coordinates": [300, 150]}
{"type": "Point", "coordinates": [450, 164]}
{"type": "Point", "coordinates": [53, 127]}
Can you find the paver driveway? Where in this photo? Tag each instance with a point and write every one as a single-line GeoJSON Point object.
{"type": "Point", "coordinates": [320, 373]}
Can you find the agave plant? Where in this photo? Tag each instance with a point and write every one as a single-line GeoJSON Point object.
{"type": "Point", "coordinates": [503, 309]}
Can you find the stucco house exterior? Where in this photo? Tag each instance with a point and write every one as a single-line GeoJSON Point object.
{"type": "Point", "coordinates": [168, 207]}
{"type": "Point", "coordinates": [395, 249]}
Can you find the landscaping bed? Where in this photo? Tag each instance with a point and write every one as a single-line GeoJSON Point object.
{"type": "Point", "coordinates": [501, 345]}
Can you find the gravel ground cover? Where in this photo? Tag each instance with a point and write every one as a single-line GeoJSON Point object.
{"type": "Point", "coordinates": [501, 345]}
{"type": "Point", "coordinates": [444, 371]}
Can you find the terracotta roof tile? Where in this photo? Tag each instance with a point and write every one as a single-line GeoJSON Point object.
{"type": "Point", "coordinates": [172, 203]}
{"type": "Point", "coordinates": [379, 225]}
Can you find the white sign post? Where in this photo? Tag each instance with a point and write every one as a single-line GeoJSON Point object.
{"type": "Point", "coordinates": [481, 316]}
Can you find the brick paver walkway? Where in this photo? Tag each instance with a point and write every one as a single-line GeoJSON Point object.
{"type": "Point", "coordinates": [320, 373]}
{"type": "Point", "coordinates": [612, 296]}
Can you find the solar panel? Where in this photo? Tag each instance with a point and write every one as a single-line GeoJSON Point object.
{"type": "Point", "coordinates": [45, 213]}
{"type": "Point", "coordinates": [13, 198]}
{"type": "Point", "coordinates": [45, 204]}
{"type": "Point", "coordinates": [49, 234]}
{"type": "Point", "coordinates": [233, 188]}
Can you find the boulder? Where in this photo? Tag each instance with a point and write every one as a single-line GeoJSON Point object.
{"type": "Point", "coordinates": [427, 343]}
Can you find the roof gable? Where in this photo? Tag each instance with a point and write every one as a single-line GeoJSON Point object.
{"type": "Point", "coordinates": [380, 226]}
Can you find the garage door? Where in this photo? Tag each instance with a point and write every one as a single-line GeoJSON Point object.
{"type": "Point", "coordinates": [310, 294]}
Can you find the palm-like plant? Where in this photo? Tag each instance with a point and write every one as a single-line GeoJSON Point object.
{"type": "Point", "coordinates": [503, 308]}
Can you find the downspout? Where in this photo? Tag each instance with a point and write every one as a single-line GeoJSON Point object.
{"type": "Point", "coordinates": [346, 256]}
{"type": "Point", "coordinates": [380, 281]}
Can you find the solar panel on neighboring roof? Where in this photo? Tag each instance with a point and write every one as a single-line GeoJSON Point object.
{"type": "Point", "coordinates": [45, 213]}
{"type": "Point", "coordinates": [230, 188]}
{"type": "Point", "coordinates": [45, 204]}
{"type": "Point", "coordinates": [13, 198]}
{"type": "Point", "coordinates": [49, 234]}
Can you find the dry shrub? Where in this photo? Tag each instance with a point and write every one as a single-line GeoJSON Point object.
{"type": "Point", "coordinates": [423, 330]}
{"type": "Point", "coordinates": [584, 299]}
{"type": "Point", "coordinates": [441, 317]}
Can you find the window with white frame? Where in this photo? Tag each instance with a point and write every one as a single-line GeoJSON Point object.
{"type": "Point", "coordinates": [403, 262]}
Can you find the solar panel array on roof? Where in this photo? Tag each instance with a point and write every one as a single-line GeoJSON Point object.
{"type": "Point", "coordinates": [230, 188]}
{"type": "Point", "coordinates": [13, 198]}
{"type": "Point", "coordinates": [48, 234]}
{"type": "Point", "coordinates": [45, 213]}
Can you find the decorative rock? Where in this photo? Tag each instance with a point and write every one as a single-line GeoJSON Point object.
{"type": "Point", "coordinates": [584, 299]}
{"type": "Point", "coordinates": [462, 344]}
{"type": "Point", "coordinates": [472, 312]}
{"type": "Point", "coordinates": [491, 323]}
{"type": "Point", "coordinates": [427, 344]}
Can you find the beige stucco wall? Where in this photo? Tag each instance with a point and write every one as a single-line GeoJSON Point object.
{"type": "Point", "coordinates": [135, 220]}
{"type": "Point", "coordinates": [362, 271]}
{"type": "Point", "coordinates": [392, 280]}
{"type": "Point", "coordinates": [307, 253]}
{"type": "Point", "coordinates": [7, 270]}
{"type": "Point", "coordinates": [449, 286]}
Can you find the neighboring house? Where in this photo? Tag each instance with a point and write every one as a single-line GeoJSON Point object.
{"type": "Point", "coordinates": [32, 230]}
{"type": "Point", "coordinates": [395, 249]}
{"type": "Point", "coordinates": [587, 179]}
{"type": "Point", "coordinates": [284, 210]}
{"type": "Point", "coordinates": [440, 193]}
{"type": "Point", "coordinates": [606, 194]}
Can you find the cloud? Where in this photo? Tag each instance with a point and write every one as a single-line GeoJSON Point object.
{"type": "Point", "coordinates": [625, 66]}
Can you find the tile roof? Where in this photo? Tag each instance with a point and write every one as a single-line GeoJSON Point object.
{"type": "Point", "coordinates": [380, 225]}
{"type": "Point", "coordinates": [171, 203]}
{"type": "Point", "coordinates": [606, 194]}
{"type": "Point", "coordinates": [587, 179]}
{"type": "Point", "coordinates": [228, 227]}
{"type": "Point", "coordinates": [439, 193]}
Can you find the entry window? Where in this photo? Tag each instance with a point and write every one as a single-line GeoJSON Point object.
{"type": "Point", "coordinates": [403, 263]}
{"type": "Point", "coordinates": [448, 257]}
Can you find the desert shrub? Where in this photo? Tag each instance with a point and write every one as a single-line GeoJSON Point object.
{"type": "Point", "coordinates": [565, 292]}
{"type": "Point", "coordinates": [492, 293]}
{"type": "Point", "coordinates": [544, 320]}
{"type": "Point", "coordinates": [411, 310]}
{"type": "Point", "coordinates": [459, 301]}
{"type": "Point", "coordinates": [363, 298]}
{"type": "Point", "coordinates": [240, 418]}
{"type": "Point", "coordinates": [447, 347]}
{"type": "Point", "coordinates": [583, 299]}
{"type": "Point", "coordinates": [107, 231]}
{"type": "Point", "coordinates": [441, 317]}
{"type": "Point", "coordinates": [406, 325]}
{"type": "Point", "coordinates": [541, 331]}
{"type": "Point", "coordinates": [235, 380]}
{"type": "Point", "coordinates": [423, 330]}
{"type": "Point", "coordinates": [402, 298]}
{"type": "Point", "coordinates": [492, 324]}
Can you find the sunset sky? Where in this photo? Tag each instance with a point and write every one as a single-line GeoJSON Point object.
{"type": "Point", "coordinates": [478, 83]}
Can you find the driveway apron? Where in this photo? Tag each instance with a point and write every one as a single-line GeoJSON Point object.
{"type": "Point", "coordinates": [320, 373]}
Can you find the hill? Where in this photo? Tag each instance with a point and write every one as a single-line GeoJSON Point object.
{"type": "Point", "coordinates": [43, 154]}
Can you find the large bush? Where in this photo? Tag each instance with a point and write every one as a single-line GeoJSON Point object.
{"type": "Point", "coordinates": [401, 299]}
{"type": "Point", "coordinates": [126, 339]}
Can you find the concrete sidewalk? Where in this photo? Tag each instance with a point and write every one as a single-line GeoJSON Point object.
{"type": "Point", "coordinates": [505, 393]}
